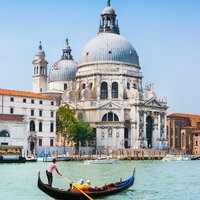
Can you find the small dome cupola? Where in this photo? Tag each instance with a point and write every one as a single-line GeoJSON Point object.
{"type": "Point", "coordinates": [108, 23]}
{"type": "Point", "coordinates": [65, 68]}
{"type": "Point", "coordinates": [40, 54]}
{"type": "Point", "coordinates": [67, 51]}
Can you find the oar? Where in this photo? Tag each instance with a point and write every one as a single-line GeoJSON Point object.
{"type": "Point", "coordinates": [77, 188]}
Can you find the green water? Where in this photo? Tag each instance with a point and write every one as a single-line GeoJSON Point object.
{"type": "Point", "coordinates": [155, 180]}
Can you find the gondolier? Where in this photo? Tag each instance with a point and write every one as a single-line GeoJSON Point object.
{"type": "Point", "coordinates": [49, 171]}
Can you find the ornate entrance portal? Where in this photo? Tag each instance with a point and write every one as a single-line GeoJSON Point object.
{"type": "Point", "coordinates": [149, 125]}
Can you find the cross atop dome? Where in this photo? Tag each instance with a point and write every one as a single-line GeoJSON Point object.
{"type": "Point", "coordinates": [40, 46]}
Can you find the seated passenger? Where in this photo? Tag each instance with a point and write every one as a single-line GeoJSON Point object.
{"type": "Point", "coordinates": [86, 185]}
{"type": "Point", "coordinates": [79, 185]}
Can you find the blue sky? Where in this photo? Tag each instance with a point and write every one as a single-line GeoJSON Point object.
{"type": "Point", "coordinates": [165, 34]}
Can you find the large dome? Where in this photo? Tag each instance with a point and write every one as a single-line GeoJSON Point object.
{"type": "Point", "coordinates": [63, 70]}
{"type": "Point", "coordinates": [109, 47]}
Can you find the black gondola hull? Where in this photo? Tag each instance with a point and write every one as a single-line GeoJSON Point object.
{"type": "Point", "coordinates": [67, 195]}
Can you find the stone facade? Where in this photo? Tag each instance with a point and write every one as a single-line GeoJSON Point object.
{"type": "Point", "coordinates": [183, 132]}
{"type": "Point", "coordinates": [196, 142]}
{"type": "Point", "coordinates": [105, 88]}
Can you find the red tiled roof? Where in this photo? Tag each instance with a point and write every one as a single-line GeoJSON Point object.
{"type": "Point", "coordinates": [197, 131]}
{"type": "Point", "coordinates": [188, 127]}
{"type": "Point", "coordinates": [193, 118]}
{"type": "Point", "coordinates": [22, 93]}
{"type": "Point", "coordinates": [9, 117]}
{"type": "Point", "coordinates": [183, 115]}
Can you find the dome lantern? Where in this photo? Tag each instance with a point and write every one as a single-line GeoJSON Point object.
{"type": "Point", "coordinates": [67, 51]}
{"type": "Point", "coordinates": [108, 22]}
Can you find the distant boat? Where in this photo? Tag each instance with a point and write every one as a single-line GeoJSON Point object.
{"type": "Point", "coordinates": [170, 157]}
{"type": "Point", "coordinates": [195, 158]}
{"type": "Point", "coordinates": [31, 159]}
{"type": "Point", "coordinates": [64, 158]}
{"type": "Point", "coordinates": [101, 160]}
{"type": "Point", "coordinates": [45, 157]}
{"type": "Point", "coordinates": [11, 154]}
{"type": "Point", "coordinates": [103, 191]}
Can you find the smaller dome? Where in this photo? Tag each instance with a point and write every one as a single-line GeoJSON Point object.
{"type": "Point", "coordinates": [40, 53]}
{"type": "Point", "coordinates": [108, 10]}
{"type": "Point", "coordinates": [63, 70]}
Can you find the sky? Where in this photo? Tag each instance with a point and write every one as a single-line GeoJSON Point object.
{"type": "Point", "coordinates": [165, 34]}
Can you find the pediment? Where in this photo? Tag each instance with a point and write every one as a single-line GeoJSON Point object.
{"type": "Point", "coordinates": [110, 106]}
{"type": "Point", "coordinates": [153, 103]}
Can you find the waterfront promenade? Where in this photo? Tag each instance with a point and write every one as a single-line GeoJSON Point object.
{"type": "Point", "coordinates": [125, 154]}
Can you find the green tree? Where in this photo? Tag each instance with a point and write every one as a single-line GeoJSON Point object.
{"type": "Point", "coordinates": [71, 128]}
{"type": "Point", "coordinates": [65, 118]}
{"type": "Point", "coordinates": [81, 132]}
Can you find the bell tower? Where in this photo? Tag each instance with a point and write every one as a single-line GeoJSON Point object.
{"type": "Point", "coordinates": [39, 71]}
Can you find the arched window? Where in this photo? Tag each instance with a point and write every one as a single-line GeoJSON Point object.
{"type": "Point", "coordinates": [83, 86]}
{"type": "Point", "coordinates": [4, 134]}
{"type": "Point", "coordinates": [65, 86]}
{"type": "Point", "coordinates": [104, 90]}
{"type": "Point", "coordinates": [40, 126]}
{"type": "Point", "coordinates": [115, 90]}
{"type": "Point", "coordinates": [37, 70]}
{"type": "Point", "coordinates": [110, 117]}
{"type": "Point", "coordinates": [32, 125]}
{"type": "Point", "coordinates": [51, 127]}
{"type": "Point", "coordinates": [90, 86]}
{"type": "Point", "coordinates": [44, 71]}
{"type": "Point", "coordinates": [40, 69]}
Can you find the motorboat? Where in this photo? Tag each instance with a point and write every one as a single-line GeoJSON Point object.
{"type": "Point", "coordinates": [45, 157]}
{"type": "Point", "coordinates": [65, 158]}
{"type": "Point", "coordinates": [171, 157]}
{"type": "Point", "coordinates": [31, 159]}
{"type": "Point", "coordinates": [11, 154]}
{"type": "Point", "coordinates": [101, 160]}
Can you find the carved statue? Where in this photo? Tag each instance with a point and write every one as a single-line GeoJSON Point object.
{"type": "Point", "coordinates": [108, 3]}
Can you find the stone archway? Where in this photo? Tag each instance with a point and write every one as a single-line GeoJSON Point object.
{"type": "Point", "coordinates": [32, 146]}
{"type": "Point", "coordinates": [149, 130]}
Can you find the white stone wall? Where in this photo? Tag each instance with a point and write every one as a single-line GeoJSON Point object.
{"type": "Point", "coordinates": [17, 131]}
{"type": "Point", "coordinates": [21, 108]}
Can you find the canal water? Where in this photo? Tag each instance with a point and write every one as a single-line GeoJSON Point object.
{"type": "Point", "coordinates": [155, 180]}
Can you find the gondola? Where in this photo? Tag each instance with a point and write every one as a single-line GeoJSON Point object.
{"type": "Point", "coordinates": [70, 195]}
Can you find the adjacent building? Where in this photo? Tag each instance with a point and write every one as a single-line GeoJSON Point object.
{"type": "Point", "coordinates": [27, 119]}
{"type": "Point", "coordinates": [183, 132]}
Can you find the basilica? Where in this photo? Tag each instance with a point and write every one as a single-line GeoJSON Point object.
{"type": "Point", "coordinates": [105, 88]}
